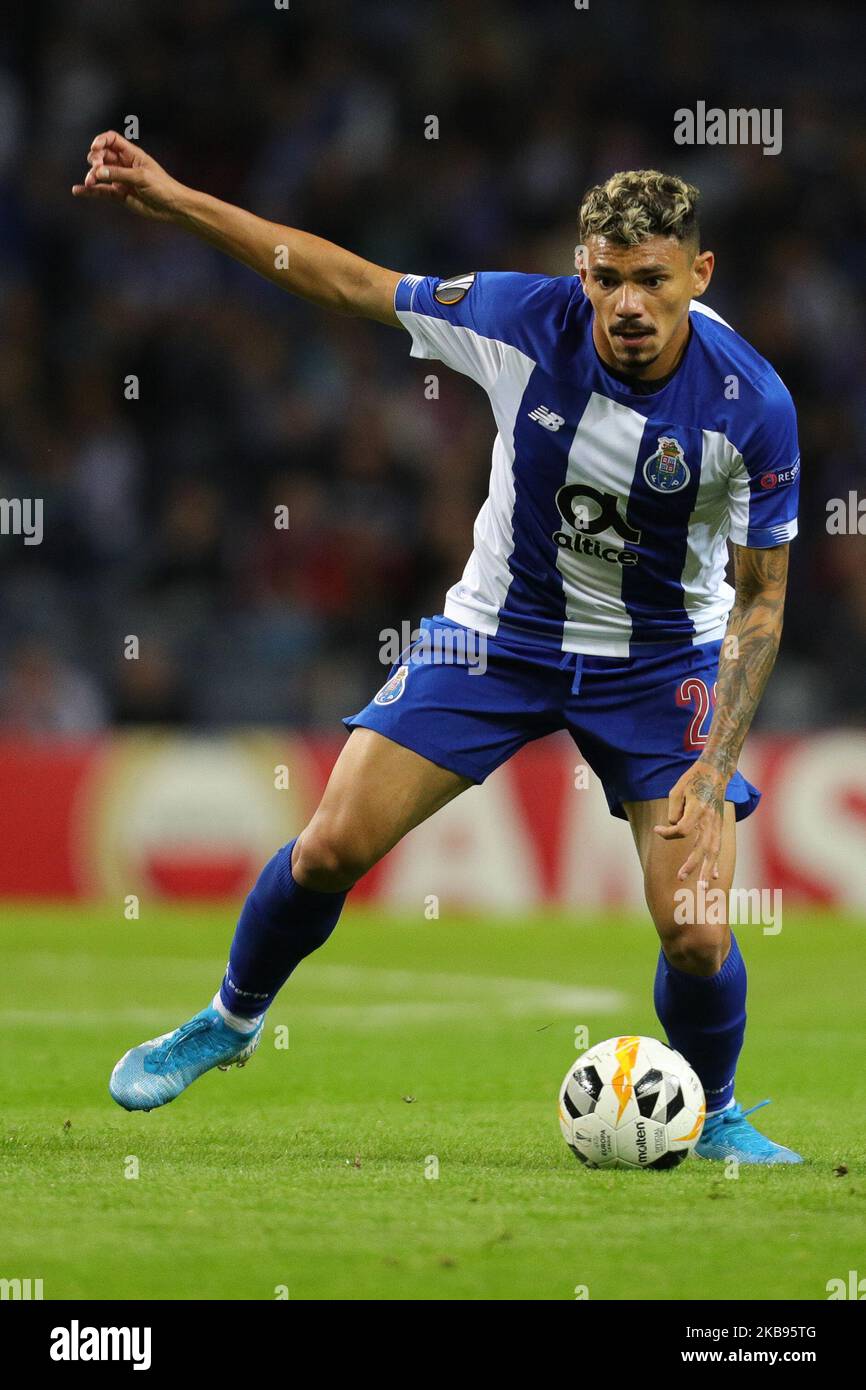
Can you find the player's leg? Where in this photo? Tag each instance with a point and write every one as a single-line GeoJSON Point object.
{"type": "Point", "coordinates": [641, 722]}
{"type": "Point", "coordinates": [452, 710]}
{"type": "Point", "coordinates": [700, 989]}
{"type": "Point", "coordinates": [378, 790]}
{"type": "Point", "coordinates": [700, 985]}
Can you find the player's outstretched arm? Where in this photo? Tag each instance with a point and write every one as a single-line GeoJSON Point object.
{"type": "Point", "coordinates": [305, 265]}
{"type": "Point", "coordinates": [748, 655]}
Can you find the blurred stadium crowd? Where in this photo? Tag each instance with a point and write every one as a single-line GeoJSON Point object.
{"type": "Point", "coordinates": [159, 511]}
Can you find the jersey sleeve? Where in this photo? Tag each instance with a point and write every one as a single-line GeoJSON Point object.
{"type": "Point", "coordinates": [470, 321]}
{"type": "Point", "coordinates": [764, 484]}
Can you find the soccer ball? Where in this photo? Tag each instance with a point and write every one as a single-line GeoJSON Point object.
{"type": "Point", "coordinates": [631, 1103]}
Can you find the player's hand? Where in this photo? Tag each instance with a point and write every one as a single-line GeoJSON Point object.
{"type": "Point", "coordinates": [696, 806]}
{"type": "Point", "coordinates": [121, 171]}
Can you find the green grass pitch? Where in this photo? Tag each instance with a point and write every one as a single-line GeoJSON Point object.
{"type": "Point", "coordinates": [413, 1045]}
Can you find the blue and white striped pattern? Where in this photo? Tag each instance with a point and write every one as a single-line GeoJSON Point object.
{"type": "Point", "coordinates": [663, 480]}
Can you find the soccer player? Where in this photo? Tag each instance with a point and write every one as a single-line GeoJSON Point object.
{"type": "Point", "coordinates": [637, 433]}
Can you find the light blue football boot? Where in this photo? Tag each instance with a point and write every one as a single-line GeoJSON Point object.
{"type": "Point", "coordinates": [728, 1134]}
{"type": "Point", "coordinates": [155, 1072]}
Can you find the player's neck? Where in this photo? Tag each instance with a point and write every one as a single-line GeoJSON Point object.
{"type": "Point", "coordinates": [660, 369]}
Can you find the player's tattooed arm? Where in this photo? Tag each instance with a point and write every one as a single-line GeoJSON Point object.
{"type": "Point", "coordinates": [328, 275]}
{"type": "Point", "coordinates": [696, 803]}
{"type": "Point", "coordinates": [748, 652]}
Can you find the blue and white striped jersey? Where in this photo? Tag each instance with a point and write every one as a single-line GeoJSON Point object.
{"type": "Point", "coordinates": [609, 510]}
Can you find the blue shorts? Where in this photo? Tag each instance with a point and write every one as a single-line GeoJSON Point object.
{"type": "Point", "coordinates": [468, 702]}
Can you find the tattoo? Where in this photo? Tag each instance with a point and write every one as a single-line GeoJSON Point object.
{"type": "Point", "coordinates": [760, 577]}
{"type": "Point", "coordinates": [707, 789]}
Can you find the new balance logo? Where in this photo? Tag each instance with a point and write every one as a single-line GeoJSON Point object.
{"type": "Point", "coordinates": [548, 418]}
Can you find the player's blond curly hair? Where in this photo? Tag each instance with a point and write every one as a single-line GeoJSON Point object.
{"type": "Point", "coordinates": [640, 203]}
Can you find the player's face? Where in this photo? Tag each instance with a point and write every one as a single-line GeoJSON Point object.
{"type": "Point", "coordinates": [640, 296]}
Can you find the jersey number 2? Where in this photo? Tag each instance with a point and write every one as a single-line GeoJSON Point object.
{"type": "Point", "coordinates": [694, 694]}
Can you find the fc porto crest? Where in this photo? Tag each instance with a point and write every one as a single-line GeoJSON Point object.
{"type": "Point", "coordinates": [393, 687]}
{"type": "Point", "coordinates": [666, 470]}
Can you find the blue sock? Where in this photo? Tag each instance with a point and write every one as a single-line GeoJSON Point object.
{"type": "Point", "coordinates": [705, 1019]}
{"type": "Point", "coordinates": [281, 922]}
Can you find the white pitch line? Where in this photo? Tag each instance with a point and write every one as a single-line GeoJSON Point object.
{"type": "Point", "coordinates": [398, 996]}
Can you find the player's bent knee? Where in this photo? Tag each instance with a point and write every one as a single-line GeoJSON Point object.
{"type": "Point", "coordinates": [695, 949]}
{"type": "Point", "coordinates": [330, 860]}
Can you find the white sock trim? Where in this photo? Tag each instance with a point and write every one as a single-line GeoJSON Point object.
{"type": "Point", "coordinates": [236, 1021]}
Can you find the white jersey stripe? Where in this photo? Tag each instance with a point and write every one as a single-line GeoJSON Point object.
{"type": "Point", "coordinates": [481, 592]}
{"type": "Point", "coordinates": [603, 455]}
